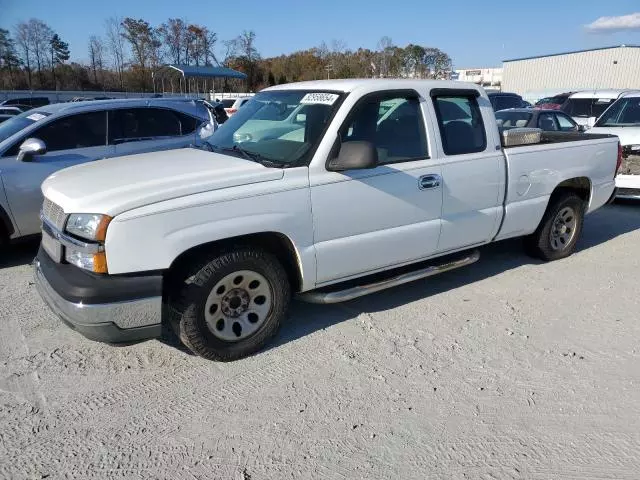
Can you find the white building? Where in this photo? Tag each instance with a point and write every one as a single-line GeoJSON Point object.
{"type": "Point", "coordinates": [486, 77]}
{"type": "Point", "coordinates": [600, 68]}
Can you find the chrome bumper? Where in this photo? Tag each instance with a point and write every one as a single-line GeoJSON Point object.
{"type": "Point", "coordinates": [107, 322]}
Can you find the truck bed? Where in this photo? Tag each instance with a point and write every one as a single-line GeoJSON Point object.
{"type": "Point", "coordinates": [563, 137]}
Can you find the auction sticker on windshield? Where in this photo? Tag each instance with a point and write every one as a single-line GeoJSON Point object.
{"type": "Point", "coordinates": [36, 116]}
{"type": "Point", "coordinates": [320, 98]}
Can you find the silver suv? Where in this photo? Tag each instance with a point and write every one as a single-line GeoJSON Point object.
{"type": "Point", "coordinates": [39, 142]}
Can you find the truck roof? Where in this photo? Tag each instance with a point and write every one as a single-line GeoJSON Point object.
{"type": "Point", "coordinates": [351, 84]}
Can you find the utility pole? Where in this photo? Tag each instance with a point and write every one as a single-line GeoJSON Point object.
{"type": "Point", "coordinates": [328, 68]}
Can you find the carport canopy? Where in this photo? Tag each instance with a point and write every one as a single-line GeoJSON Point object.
{"type": "Point", "coordinates": [192, 71]}
{"type": "Point", "coordinates": [193, 78]}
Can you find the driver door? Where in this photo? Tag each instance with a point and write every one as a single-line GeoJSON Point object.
{"type": "Point", "coordinates": [70, 140]}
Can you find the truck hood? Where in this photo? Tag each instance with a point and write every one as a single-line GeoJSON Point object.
{"type": "Point", "coordinates": [115, 185]}
{"type": "Point", "coordinates": [627, 135]}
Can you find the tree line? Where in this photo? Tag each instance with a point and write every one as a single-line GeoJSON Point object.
{"type": "Point", "coordinates": [33, 56]}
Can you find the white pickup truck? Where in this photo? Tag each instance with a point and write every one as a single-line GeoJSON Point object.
{"type": "Point", "coordinates": [327, 190]}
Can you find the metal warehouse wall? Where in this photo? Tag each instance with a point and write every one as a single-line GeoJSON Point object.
{"type": "Point", "coordinates": [575, 71]}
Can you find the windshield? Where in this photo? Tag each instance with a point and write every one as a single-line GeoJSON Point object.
{"type": "Point", "coordinates": [586, 107]}
{"type": "Point", "coordinates": [624, 113]}
{"type": "Point", "coordinates": [508, 119]}
{"type": "Point", "coordinates": [17, 123]}
{"type": "Point", "coordinates": [280, 128]}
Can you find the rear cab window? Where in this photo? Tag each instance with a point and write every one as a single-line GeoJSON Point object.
{"type": "Point", "coordinates": [460, 122]}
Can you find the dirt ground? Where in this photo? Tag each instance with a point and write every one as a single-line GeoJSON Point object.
{"type": "Point", "coordinates": [630, 165]}
{"type": "Point", "coordinates": [507, 369]}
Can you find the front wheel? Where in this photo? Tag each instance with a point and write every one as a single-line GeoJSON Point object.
{"type": "Point", "coordinates": [233, 305]}
{"type": "Point", "coordinates": [559, 230]}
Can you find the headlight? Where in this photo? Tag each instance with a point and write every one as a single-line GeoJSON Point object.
{"type": "Point", "coordinates": [90, 226]}
{"type": "Point", "coordinates": [94, 262]}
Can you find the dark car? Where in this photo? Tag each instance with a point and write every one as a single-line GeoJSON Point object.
{"type": "Point", "coordinates": [504, 100]}
{"type": "Point", "coordinates": [553, 103]}
{"type": "Point", "coordinates": [547, 120]}
{"type": "Point", "coordinates": [30, 101]}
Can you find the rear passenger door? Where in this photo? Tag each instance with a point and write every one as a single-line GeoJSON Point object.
{"type": "Point", "coordinates": [149, 129]}
{"type": "Point", "coordinates": [472, 169]}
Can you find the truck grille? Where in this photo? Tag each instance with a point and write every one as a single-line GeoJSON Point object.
{"type": "Point", "coordinates": [54, 214]}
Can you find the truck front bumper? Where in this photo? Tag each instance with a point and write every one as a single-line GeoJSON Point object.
{"type": "Point", "coordinates": [107, 309]}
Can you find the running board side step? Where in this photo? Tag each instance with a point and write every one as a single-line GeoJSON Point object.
{"type": "Point", "coordinates": [337, 296]}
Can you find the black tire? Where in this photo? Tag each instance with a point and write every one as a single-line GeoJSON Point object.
{"type": "Point", "coordinates": [540, 245]}
{"type": "Point", "coordinates": [187, 310]}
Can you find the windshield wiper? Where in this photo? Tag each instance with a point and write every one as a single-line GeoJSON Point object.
{"type": "Point", "coordinates": [251, 156]}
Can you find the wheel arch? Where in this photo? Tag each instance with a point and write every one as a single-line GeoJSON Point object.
{"type": "Point", "coordinates": [581, 186]}
{"type": "Point", "coordinates": [6, 225]}
{"type": "Point", "coordinates": [276, 243]}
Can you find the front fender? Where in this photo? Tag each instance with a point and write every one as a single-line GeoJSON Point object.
{"type": "Point", "coordinates": [153, 241]}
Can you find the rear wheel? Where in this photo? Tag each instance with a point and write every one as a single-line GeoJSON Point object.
{"type": "Point", "coordinates": [233, 304]}
{"type": "Point", "coordinates": [559, 230]}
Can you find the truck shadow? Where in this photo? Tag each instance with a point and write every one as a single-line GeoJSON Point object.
{"type": "Point", "coordinates": [305, 319]}
{"type": "Point", "coordinates": [21, 253]}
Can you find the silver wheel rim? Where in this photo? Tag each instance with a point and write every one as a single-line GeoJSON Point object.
{"type": "Point", "coordinates": [238, 305]}
{"type": "Point", "coordinates": [563, 229]}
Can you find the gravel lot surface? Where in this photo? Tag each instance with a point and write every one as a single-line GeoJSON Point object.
{"type": "Point", "coordinates": [508, 369]}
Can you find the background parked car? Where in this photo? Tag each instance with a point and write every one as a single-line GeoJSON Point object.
{"type": "Point", "coordinates": [623, 120]}
{"type": "Point", "coordinates": [547, 120]}
{"type": "Point", "coordinates": [30, 101]}
{"type": "Point", "coordinates": [231, 105]}
{"type": "Point", "coordinates": [504, 100]}
{"type": "Point", "coordinates": [37, 143]}
{"type": "Point", "coordinates": [6, 112]}
{"type": "Point", "coordinates": [10, 110]}
{"type": "Point", "coordinates": [585, 107]}
{"type": "Point", "coordinates": [553, 103]}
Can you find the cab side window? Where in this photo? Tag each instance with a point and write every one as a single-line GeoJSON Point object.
{"type": "Point", "coordinates": [393, 123]}
{"type": "Point", "coordinates": [460, 123]}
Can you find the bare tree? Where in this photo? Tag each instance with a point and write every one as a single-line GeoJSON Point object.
{"type": "Point", "coordinates": [385, 47]}
{"type": "Point", "coordinates": [115, 39]}
{"type": "Point", "coordinates": [244, 50]}
{"type": "Point", "coordinates": [40, 35]}
{"type": "Point", "coordinates": [173, 34]}
{"type": "Point", "coordinates": [23, 40]}
{"type": "Point", "coordinates": [96, 56]}
{"type": "Point", "coordinates": [209, 41]}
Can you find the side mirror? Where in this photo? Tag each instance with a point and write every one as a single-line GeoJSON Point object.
{"type": "Point", "coordinates": [31, 147]}
{"type": "Point", "coordinates": [354, 156]}
{"type": "Point", "coordinates": [206, 129]}
{"type": "Point", "coordinates": [582, 128]}
{"type": "Point", "coordinates": [301, 117]}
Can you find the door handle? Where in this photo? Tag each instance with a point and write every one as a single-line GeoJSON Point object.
{"type": "Point", "coordinates": [429, 181]}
